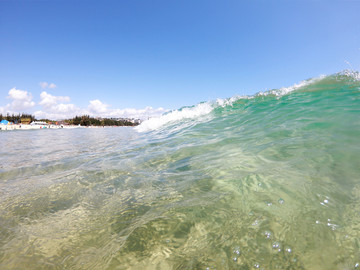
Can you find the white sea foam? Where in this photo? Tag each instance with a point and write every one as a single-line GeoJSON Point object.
{"type": "Point", "coordinates": [176, 115]}
{"type": "Point", "coordinates": [286, 90]}
{"type": "Point", "coordinates": [276, 92]}
{"type": "Point", "coordinates": [229, 101]}
{"type": "Point", "coordinates": [351, 73]}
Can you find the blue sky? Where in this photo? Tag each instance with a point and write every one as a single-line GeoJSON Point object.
{"type": "Point", "coordinates": [59, 58]}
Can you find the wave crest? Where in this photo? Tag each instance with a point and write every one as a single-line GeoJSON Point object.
{"type": "Point", "coordinates": [176, 115]}
{"type": "Point", "coordinates": [204, 108]}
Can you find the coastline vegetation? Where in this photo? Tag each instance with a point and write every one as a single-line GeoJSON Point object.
{"type": "Point", "coordinates": [84, 120]}
{"type": "Point", "coordinates": [16, 118]}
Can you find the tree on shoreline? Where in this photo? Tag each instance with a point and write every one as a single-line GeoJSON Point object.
{"type": "Point", "coordinates": [17, 118]}
{"type": "Point", "coordinates": [84, 120]}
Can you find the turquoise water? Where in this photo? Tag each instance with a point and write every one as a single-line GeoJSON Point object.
{"type": "Point", "coordinates": [270, 181]}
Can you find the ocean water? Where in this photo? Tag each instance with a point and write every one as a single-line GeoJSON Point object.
{"type": "Point", "coordinates": [270, 181]}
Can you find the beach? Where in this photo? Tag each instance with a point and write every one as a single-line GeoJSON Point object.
{"type": "Point", "coordinates": [36, 127]}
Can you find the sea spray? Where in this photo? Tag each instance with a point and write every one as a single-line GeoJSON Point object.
{"type": "Point", "coordinates": [176, 116]}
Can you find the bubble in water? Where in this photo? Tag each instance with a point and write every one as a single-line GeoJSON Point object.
{"type": "Point", "coordinates": [281, 201]}
{"type": "Point", "coordinates": [317, 222]}
{"type": "Point", "coordinates": [357, 265]}
{"type": "Point", "coordinates": [257, 266]}
{"type": "Point", "coordinates": [236, 251]}
{"type": "Point", "coordinates": [288, 249]}
{"type": "Point", "coordinates": [331, 225]}
{"type": "Point", "coordinates": [267, 234]}
{"type": "Point", "coordinates": [235, 259]}
{"type": "Point", "coordinates": [324, 202]}
{"type": "Point", "coordinates": [276, 246]}
{"type": "Point", "coordinates": [268, 203]}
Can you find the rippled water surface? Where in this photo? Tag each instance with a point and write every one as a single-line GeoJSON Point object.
{"type": "Point", "coordinates": [268, 182]}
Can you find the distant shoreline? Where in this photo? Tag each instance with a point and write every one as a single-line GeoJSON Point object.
{"type": "Point", "coordinates": [37, 127]}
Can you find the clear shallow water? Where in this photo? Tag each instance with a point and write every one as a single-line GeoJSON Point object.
{"type": "Point", "coordinates": [269, 182]}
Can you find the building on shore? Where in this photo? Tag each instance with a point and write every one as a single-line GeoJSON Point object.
{"type": "Point", "coordinates": [131, 120]}
{"type": "Point", "coordinates": [25, 121]}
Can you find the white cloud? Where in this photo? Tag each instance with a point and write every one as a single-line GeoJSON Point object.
{"type": "Point", "coordinates": [21, 100]}
{"type": "Point", "coordinates": [143, 114]}
{"type": "Point", "coordinates": [60, 111]}
{"type": "Point", "coordinates": [59, 107]}
{"type": "Point", "coordinates": [45, 85]}
{"type": "Point", "coordinates": [54, 109]}
{"type": "Point", "coordinates": [96, 106]}
{"type": "Point", "coordinates": [48, 100]}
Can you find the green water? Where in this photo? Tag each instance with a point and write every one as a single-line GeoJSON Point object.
{"type": "Point", "coordinates": [268, 182]}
